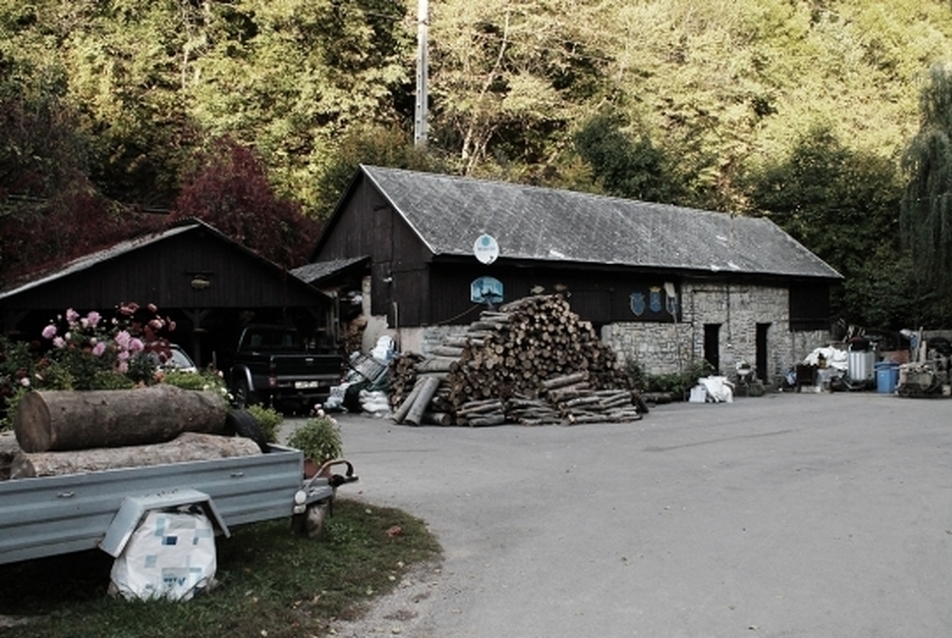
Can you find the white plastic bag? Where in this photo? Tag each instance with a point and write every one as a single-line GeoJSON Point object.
{"type": "Point", "coordinates": [169, 555]}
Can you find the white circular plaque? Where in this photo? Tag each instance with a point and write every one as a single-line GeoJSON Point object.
{"type": "Point", "coordinates": [486, 249]}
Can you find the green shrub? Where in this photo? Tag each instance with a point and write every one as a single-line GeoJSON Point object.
{"type": "Point", "coordinates": [636, 374]}
{"type": "Point", "coordinates": [679, 384]}
{"type": "Point", "coordinates": [268, 418]}
{"type": "Point", "coordinates": [208, 380]}
{"type": "Point", "coordinates": [319, 439]}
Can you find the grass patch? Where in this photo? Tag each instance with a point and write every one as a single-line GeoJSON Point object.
{"type": "Point", "coordinates": [272, 583]}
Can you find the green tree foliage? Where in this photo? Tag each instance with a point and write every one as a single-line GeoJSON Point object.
{"type": "Point", "coordinates": [706, 101]}
{"type": "Point", "coordinates": [623, 167]}
{"type": "Point", "coordinates": [41, 151]}
{"type": "Point", "coordinates": [842, 204]}
{"type": "Point", "coordinates": [293, 77]}
{"type": "Point", "coordinates": [509, 79]}
{"type": "Point", "coordinates": [51, 211]}
{"type": "Point", "coordinates": [927, 201]}
{"type": "Point", "coordinates": [231, 193]}
{"type": "Point", "coordinates": [374, 146]}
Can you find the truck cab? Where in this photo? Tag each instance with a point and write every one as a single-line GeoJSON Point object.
{"type": "Point", "coordinates": [273, 365]}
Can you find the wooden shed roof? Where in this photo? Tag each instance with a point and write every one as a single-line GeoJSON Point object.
{"type": "Point", "coordinates": [448, 213]}
{"type": "Point", "coordinates": [153, 265]}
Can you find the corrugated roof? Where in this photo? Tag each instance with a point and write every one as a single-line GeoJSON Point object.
{"type": "Point", "coordinates": [90, 260]}
{"type": "Point", "coordinates": [448, 213]}
{"type": "Point", "coordinates": [312, 272]}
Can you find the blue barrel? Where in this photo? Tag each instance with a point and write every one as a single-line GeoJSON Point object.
{"type": "Point", "coordinates": [887, 376]}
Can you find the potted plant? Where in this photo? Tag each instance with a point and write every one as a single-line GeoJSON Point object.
{"type": "Point", "coordinates": [320, 441]}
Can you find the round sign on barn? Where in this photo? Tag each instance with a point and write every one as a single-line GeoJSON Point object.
{"type": "Point", "coordinates": [486, 249]}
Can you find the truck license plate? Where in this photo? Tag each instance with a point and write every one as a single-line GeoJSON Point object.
{"type": "Point", "coordinates": [303, 385]}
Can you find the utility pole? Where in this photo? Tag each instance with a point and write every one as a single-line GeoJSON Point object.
{"type": "Point", "coordinates": [420, 111]}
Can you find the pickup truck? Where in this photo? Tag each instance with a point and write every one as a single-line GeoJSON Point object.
{"type": "Point", "coordinates": [273, 365]}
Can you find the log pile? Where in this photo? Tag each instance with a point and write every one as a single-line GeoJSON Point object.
{"type": "Point", "coordinates": [532, 361]}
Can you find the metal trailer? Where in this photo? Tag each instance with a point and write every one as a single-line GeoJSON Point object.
{"type": "Point", "coordinates": [53, 515]}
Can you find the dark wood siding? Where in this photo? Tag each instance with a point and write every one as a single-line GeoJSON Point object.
{"type": "Point", "coordinates": [241, 287]}
{"type": "Point", "coordinates": [595, 295]}
{"type": "Point", "coordinates": [162, 273]}
{"type": "Point", "coordinates": [809, 307]}
{"type": "Point", "coordinates": [369, 226]}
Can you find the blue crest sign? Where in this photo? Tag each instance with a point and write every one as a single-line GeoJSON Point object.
{"type": "Point", "coordinates": [637, 303]}
{"type": "Point", "coordinates": [655, 296]}
{"type": "Point", "coordinates": [655, 303]}
{"type": "Point", "coordinates": [486, 290]}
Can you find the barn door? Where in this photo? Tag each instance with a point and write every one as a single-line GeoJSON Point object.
{"type": "Point", "coordinates": [761, 354]}
{"type": "Point", "coordinates": [712, 345]}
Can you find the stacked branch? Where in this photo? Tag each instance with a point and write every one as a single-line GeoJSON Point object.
{"type": "Point", "coordinates": [533, 360]}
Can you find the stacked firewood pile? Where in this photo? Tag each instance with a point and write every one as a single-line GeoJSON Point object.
{"type": "Point", "coordinates": [532, 361]}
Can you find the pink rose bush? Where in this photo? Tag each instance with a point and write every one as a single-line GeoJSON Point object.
{"type": "Point", "coordinates": [88, 352]}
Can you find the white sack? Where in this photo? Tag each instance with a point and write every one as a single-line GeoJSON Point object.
{"type": "Point", "coordinates": [719, 389]}
{"type": "Point", "coordinates": [169, 555]}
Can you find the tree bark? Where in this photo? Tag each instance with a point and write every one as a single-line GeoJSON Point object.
{"type": "Point", "coordinates": [188, 446]}
{"type": "Point", "coordinates": [427, 390]}
{"type": "Point", "coordinates": [66, 420]}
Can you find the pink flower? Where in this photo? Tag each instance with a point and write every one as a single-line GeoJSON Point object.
{"type": "Point", "coordinates": [59, 342]}
{"type": "Point", "coordinates": [123, 367]}
{"type": "Point", "coordinates": [152, 308]}
{"type": "Point", "coordinates": [71, 315]}
{"type": "Point", "coordinates": [99, 348]}
{"type": "Point", "coordinates": [25, 382]}
{"type": "Point", "coordinates": [157, 323]}
{"type": "Point", "coordinates": [122, 338]}
{"type": "Point", "coordinates": [93, 318]}
{"type": "Point", "coordinates": [127, 309]}
{"type": "Point", "coordinates": [123, 355]}
{"type": "Point", "coordinates": [171, 325]}
{"type": "Point", "coordinates": [49, 331]}
{"type": "Point", "coordinates": [136, 345]}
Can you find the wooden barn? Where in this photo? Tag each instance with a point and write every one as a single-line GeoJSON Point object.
{"type": "Point", "coordinates": [209, 284]}
{"type": "Point", "coordinates": [665, 285]}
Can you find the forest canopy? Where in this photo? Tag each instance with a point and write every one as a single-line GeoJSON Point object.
{"type": "Point", "coordinates": [133, 112]}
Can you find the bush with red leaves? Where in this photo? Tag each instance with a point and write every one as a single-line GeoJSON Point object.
{"type": "Point", "coordinates": [232, 194]}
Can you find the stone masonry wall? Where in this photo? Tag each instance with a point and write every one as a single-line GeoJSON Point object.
{"type": "Point", "coordinates": [665, 348]}
{"type": "Point", "coordinates": [668, 348]}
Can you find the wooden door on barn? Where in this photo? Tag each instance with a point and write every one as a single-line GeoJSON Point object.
{"type": "Point", "coordinates": [712, 345]}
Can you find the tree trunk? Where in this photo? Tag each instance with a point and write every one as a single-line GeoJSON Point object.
{"type": "Point", "coordinates": [422, 400]}
{"type": "Point", "coordinates": [189, 446]}
{"type": "Point", "coordinates": [66, 420]}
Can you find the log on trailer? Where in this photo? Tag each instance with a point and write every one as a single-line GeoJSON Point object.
{"type": "Point", "coordinates": [66, 420]}
{"type": "Point", "coordinates": [188, 446]}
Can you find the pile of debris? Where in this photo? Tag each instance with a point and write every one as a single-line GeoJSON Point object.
{"type": "Point", "coordinates": [530, 362]}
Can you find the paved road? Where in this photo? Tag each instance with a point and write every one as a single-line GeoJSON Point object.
{"type": "Point", "coordinates": [789, 515]}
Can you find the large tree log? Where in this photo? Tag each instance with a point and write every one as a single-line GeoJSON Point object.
{"type": "Point", "coordinates": [188, 446]}
{"type": "Point", "coordinates": [422, 401]}
{"type": "Point", "coordinates": [401, 413]}
{"type": "Point", "coordinates": [8, 451]}
{"type": "Point", "coordinates": [66, 420]}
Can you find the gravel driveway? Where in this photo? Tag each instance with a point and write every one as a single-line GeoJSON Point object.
{"type": "Point", "coordinates": [790, 515]}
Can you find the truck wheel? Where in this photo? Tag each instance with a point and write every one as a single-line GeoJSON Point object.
{"type": "Point", "coordinates": [244, 396]}
{"type": "Point", "coordinates": [243, 423]}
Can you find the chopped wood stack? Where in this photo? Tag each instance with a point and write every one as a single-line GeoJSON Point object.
{"type": "Point", "coordinates": [533, 361]}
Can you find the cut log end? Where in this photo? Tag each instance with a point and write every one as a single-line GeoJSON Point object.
{"type": "Point", "coordinates": [32, 409]}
